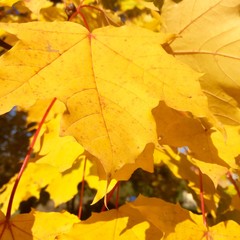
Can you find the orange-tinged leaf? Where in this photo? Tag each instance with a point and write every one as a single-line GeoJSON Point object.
{"type": "Point", "coordinates": [112, 127]}
{"type": "Point", "coordinates": [195, 230]}
{"type": "Point", "coordinates": [124, 223]}
{"type": "Point", "coordinates": [209, 42]}
{"type": "Point", "coordinates": [146, 218]}
{"type": "Point", "coordinates": [35, 226]}
{"type": "Point", "coordinates": [176, 129]}
{"type": "Point", "coordinates": [164, 215]}
{"type": "Point", "coordinates": [187, 230]}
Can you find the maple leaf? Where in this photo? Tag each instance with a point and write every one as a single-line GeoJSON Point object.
{"type": "Point", "coordinates": [196, 231]}
{"type": "Point", "coordinates": [208, 41]}
{"type": "Point", "coordinates": [207, 148]}
{"type": "Point", "coordinates": [131, 221]}
{"type": "Point", "coordinates": [35, 225]}
{"type": "Point", "coordinates": [113, 127]}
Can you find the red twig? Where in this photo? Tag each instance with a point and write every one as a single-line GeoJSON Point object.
{"type": "Point", "coordinates": [202, 198]}
{"type": "Point", "coordinates": [229, 176]}
{"type": "Point", "coordinates": [28, 155]}
{"type": "Point", "coordinates": [84, 19]}
{"type": "Point", "coordinates": [98, 9]}
{"type": "Point", "coordinates": [199, 173]}
{"type": "Point", "coordinates": [82, 191]}
{"type": "Point", "coordinates": [109, 195]}
{"type": "Point", "coordinates": [117, 195]}
{"type": "Point", "coordinates": [78, 12]}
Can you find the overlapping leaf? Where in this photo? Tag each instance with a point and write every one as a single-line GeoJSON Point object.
{"type": "Point", "coordinates": [106, 108]}
{"type": "Point", "coordinates": [176, 129]}
{"type": "Point", "coordinates": [131, 221]}
{"type": "Point", "coordinates": [209, 42]}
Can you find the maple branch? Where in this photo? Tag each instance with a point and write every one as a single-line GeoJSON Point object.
{"type": "Point", "coordinates": [199, 173]}
{"type": "Point", "coordinates": [82, 190]}
{"type": "Point", "coordinates": [28, 155]}
{"type": "Point", "coordinates": [98, 9]}
{"type": "Point", "coordinates": [109, 196]}
{"type": "Point", "coordinates": [117, 196]}
{"type": "Point", "coordinates": [84, 19]}
{"type": "Point", "coordinates": [202, 197]}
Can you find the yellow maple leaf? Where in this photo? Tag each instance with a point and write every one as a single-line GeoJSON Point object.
{"type": "Point", "coordinates": [126, 61]}
{"type": "Point", "coordinates": [176, 130]}
{"type": "Point", "coordinates": [132, 221]}
{"type": "Point", "coordinates": [125, 224]}
{"type": "Point", "coordinates": [209, 42]}
{"type": "Point", "coordinates": [35, 225]}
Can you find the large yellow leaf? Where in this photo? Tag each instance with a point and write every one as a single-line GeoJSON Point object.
{"type": "Point", "coordinates": [124, 224]}
{"type": "Point", "coordinates": [147, 218]}
{"type": "Point", "coordinates": [109, 80]}
{"type": "Point", "coordinates": [209, 42]}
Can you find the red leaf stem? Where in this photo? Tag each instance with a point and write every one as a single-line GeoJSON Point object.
{"type": "Point", "coordinates": [109, 195]}
{"type": "Point", "coordinates": [82, 190]}
{"type": "Point", "coordinates": [28, 155]}
{"type": "Point", "coordinates": [117, 195]}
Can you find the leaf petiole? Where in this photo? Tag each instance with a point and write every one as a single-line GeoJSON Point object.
{"type": "Point", "coordinates": [28, 155]}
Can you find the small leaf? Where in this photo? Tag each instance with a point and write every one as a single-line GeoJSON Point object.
{"type": "Point", "coordinates": [35, 177]}
{"type": "Point", "coordinates": [35, 226]}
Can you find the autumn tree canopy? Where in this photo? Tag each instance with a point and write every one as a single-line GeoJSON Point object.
{"type": "Point", "coordinates": [116, 86]}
